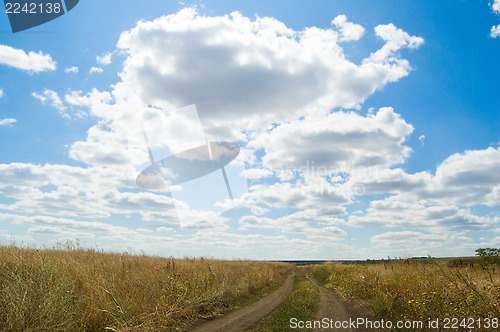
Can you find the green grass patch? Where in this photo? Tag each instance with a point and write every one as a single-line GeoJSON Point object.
{"type": "Point", "coordinates": [302, 303]}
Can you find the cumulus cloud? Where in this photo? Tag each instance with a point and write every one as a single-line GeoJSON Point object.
{"type": "Point", "coordinates": [418, 244]}
{"type": "Point", "coordinates": [1, 93]}
{"type": "Point", "coordinates": [31, 62]}
{"type": "Point", "coordinates": [422, 139]}
{"type": "Point", "coordinates": [73, 69]}
{"type": "Point", "coordinates": [95, 192]}
{"type": "Point", "coordinates": [249, 73]}
{"type": "Point", "coordinates": [238, 71]}
{"type": "Point", "coordinates": [399, 211]}
{"type": "Point", "coordinates": [495, 30]}
{"type": "Point", "coordinates": [7, 122]}
{"type": "Point", "coordinates": [104, 59]}
{"type": "Point", "coordinates": [336, 142]}
{"type": "Point", "coordinates": [395, 40]}
{"type": "Point", "coordinates": [464, 179]}
{"type": "Point", "coordinates": [256, 173]}
{"type": "Point", "coordinates": [496, 6]}
{"type": "Point", "coordinates": [95, 70]}
{"type": "Point", "coordinates": [348, 30]}
{"type": "Point", "coordinates": [469, 178]}
{"type": "Point", "coordinates": [52, 98]}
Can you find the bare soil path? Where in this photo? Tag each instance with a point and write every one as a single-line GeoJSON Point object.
{"type": "Point", "coordinates": [333, 308]}
{"type": "Point", "coordinates": [243, 318]}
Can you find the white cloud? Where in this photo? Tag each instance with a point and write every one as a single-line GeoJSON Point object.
{"type": "Point", "coordinates": [93, 192]}
{"type": "Point", "coordinates": [52, 98]}
{"type": "Point", "coordinates": [496, 6]}
{"type": "Point", "coordinates": [495, 31]}
{"type": "Point", "coordinates": [164, 229]}
{"type": "Point", "coordinates": [348, 31]}
{"type": "Point", "coordinates": [256, 173]}
{"type": "Point", "coordinates": [95, 100]}
{"type": "Point", "coordinates": [416, 244]}
{"type": "Point", "coordinates": [389, 181]}
{"type": "Point", "coordinates": [7, 122]}
{"type": "Point", "coordinates": [105, 59]}
{"type": "Point", "coordinates": [295, 221]}
{"type": "Point", "coordinates": [73, 69]}
{"type": "Point", "coordinates": [95, 70]}
{"type": "Point", "coordinates": [463, 179]}
{"type": "Point", "coordinates": [398, 211]}
{"type": "Point", "coordinates": [337, 142]}
{"type": "Point", "coordinates": [1, 93]}
{"type": "Point", "coordinates": [468, 179]}
{"type": "Point", "coordinates": [249, 73]}
{"type": "Point", "coordinates": [302, 195]}
{"type": "Point", "coordinates": [243, 75]}
{"type": "Point", "coordinates": [395, 39]}
{"type": "Point", "coordinates": [31, 62]}
{"type": "Point", "coordinates": [422, 139]}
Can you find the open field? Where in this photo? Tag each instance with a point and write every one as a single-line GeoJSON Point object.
{"type": "Point", "coordinates": [85, 290]}
{"type": "Point", "coordinates": [418, 289]}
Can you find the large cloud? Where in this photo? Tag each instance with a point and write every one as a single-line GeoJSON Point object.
{"type": "Point", "coordinates": [251, 73]}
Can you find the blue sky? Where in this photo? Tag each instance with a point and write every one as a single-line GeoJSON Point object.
{"type": "Point", "coordinates": [387, 114]}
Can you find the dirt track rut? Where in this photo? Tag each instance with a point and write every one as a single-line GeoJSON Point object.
{"type": "Point", "coordinates": [243, 318]}
{"type": "Point", "coordinates": [335, 309]}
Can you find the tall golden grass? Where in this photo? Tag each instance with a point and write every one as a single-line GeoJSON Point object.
{"type": "Point", "coordinates": [413, 290]}
{"type": "Point", "coordinates": [87, 290]}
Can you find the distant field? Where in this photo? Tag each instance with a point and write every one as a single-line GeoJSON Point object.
{"type": "Point", "coordinates": [420, 289]}
{"type": "Point", "coordinates": [85, 290]}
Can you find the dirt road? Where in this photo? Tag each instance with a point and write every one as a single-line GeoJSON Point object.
{"type": "Point", "coordinates": [243, 318]}
{"type": "Point", "coordinates": [337, 310]}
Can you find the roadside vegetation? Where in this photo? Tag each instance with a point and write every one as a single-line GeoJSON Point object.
{"type": "Point", "coordinates": [418, 289]}
{"type": "Point", "coordinates": [302, 303]}
{"type": "Point", "coordinates": [87, 290]}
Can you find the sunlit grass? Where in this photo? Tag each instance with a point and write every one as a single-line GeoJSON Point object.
{"type": "Point", "coordinates": [86, 290]}
{"type": "Point", "coordinates": [410, 290]}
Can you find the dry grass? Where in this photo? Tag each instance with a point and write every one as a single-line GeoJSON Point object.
{"type": "Point", "coordinates": [85, 290]}
{"type": "Point", "coordinates": [411, 290]}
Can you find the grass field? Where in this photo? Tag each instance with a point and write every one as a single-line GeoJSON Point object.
{"type": "Point", "coordinates": [85, 290]}
{"type": "Point", "coordinates": [418, 290]}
